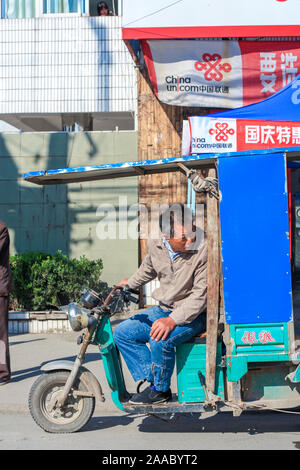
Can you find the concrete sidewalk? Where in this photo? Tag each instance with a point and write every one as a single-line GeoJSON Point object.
{"type": "Point", "coordinates": [29, 351]}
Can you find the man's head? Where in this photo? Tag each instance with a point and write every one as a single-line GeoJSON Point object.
{"type": "Point", "coordinates": [176, 225]}
{"type": "Point", "coordinates": [102, 9]}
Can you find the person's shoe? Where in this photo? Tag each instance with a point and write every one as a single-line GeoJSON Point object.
{"type": "Point", "coordinates": [4, 381]}
{"type": "Point", "coordinates": [150, 397]}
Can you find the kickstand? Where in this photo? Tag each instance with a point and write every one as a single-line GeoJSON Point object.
{"type": "Point", "coordinates": [210, 398]}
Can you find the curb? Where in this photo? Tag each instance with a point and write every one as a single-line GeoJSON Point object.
{"type": "Point", "coordinates": [38, 322]}
{"type": "Point", "coordinates": [45, 322]}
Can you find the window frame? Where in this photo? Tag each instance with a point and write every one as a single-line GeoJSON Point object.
{"type": "Point", "coordinates": [40, 10]}
{"type": "Point", "coordinates": [82, 5]}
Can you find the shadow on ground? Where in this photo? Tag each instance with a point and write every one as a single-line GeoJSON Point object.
{"type": "Point", "coordinates": [250, 423]}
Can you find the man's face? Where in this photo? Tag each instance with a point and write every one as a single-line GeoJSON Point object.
{"type": "Point", "coordinates": [104, 11]}
{"type": "Point", "coordinates": [183, 238]}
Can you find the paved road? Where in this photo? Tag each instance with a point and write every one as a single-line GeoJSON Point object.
{"type": "Point", "coordinates": [113, 429]}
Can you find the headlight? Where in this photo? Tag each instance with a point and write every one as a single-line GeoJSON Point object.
{"type": "Point", "coordinates": [79, 317]}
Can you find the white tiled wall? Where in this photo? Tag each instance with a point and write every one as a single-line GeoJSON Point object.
{"type": "Point", "coordinates": [65, 65]}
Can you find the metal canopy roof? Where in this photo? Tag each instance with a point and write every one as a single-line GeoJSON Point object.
{"type": "Point", "coordinates": [115, 170]}
{"type": "Point", "coordinates": [145, 167]}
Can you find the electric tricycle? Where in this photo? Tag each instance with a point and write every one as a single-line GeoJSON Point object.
{"type": "Point", "coordinates": [248, 357]}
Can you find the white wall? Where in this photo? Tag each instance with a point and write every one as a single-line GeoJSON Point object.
{"type": "Point", "coordinates": [65, 65]}
{"type": "Point", "coordinates": [165, 13]}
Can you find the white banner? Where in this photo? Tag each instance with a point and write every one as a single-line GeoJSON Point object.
{"type": "Point", "coordinates": [196, 73]}
{"type": "Point", "coordinates": [207, 135]}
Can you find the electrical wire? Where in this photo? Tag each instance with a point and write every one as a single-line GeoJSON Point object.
{"type": "Point", "coordinates": [281, 411]}
{"type": "Point", "coordinates": [267, 408]}
{"type": "Point", "coordinates": [153, 13]}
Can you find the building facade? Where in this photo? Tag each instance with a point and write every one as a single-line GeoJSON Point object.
{"type": "Point", "coordinates": [68, 95]}
{"type": "Point", "coordinates": [65, 69]}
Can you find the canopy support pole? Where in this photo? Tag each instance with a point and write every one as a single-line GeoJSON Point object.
{"type": "Point", "coordinates": [213, 286]}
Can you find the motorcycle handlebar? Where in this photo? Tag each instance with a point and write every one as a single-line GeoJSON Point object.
{"type": "Point", "coordinates": [125, 291]}
{"type": "Point", "coordinates": [133, 291]}
{"type": "Point", "coordinates": [131, 299]}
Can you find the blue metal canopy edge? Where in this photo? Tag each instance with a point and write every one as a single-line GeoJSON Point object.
{"type": "Point", "coordinates": [135, 168]}
{"type": "Point", "coordinates": [113, 170]}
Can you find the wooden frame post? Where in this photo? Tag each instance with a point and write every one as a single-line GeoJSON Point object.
{"type": "Point", "coordinates": [213, 288]}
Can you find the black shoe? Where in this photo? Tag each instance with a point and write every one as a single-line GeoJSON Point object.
{"type": "Point", "coordinates": [150, 397]}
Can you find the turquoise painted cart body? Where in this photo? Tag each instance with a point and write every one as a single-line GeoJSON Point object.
{"type": "Point", "coordinates": [257, 362]}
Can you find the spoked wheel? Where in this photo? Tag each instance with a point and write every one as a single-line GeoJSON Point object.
{"type": "Point", "coordinates": [75, 413]}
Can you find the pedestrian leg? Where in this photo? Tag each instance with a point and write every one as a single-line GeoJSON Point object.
{"type": "Point", "coordinates": [5, 371]}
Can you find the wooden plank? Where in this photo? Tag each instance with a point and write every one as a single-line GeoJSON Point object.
{"type": "Point", "coordinates": [212, 288]}
{"type": "Point", "coordinates": [159, 135]}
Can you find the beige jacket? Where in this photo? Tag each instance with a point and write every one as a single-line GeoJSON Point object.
{"type": "Point", "coordinates": [183, 283]}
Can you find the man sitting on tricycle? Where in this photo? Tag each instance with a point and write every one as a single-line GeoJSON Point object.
{"type": "Point", "coordinates": [179, 260]}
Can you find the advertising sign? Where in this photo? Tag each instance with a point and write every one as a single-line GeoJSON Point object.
{"type": "Point", "coordinates": [219, 74]}
{"type": "Point", "coordinates": [219, 135]}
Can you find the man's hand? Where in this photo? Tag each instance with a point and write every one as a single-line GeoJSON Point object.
{"type": "Point", "coordinates": [161, 328]}
{"type": "Point", "coordinates": [124, 282]}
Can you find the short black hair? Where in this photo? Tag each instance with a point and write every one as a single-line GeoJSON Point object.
{"type": "Point", "coordinates": [177, 213]}
{"type": "Point", "coordinates": [102, 5]}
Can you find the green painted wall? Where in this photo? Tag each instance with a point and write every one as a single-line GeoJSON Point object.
{"type": "Point", "coordinates": [64, 216]}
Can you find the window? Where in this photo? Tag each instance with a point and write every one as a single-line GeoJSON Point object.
{"type": "Point", "coordinates": [38, 8]}
{"type": "Point", "coordinates": [18, 8]}
{"type": "Point", "coordinates": [63, 6]}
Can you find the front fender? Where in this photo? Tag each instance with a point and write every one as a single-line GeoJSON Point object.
{"type": "Point", "coordinates": [57, 365]}
{"type": "Point", "coordinates": [85, 375]}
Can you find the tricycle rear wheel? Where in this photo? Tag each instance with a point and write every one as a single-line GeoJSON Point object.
{"type": "Point", "coordinates": [75, 413]}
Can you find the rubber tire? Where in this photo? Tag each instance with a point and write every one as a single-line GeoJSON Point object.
{"type": "Point", "coordinates": [37, 390]}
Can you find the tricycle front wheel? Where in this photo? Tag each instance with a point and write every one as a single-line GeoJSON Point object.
{"type": "Point", "coordinates": [75, 413]}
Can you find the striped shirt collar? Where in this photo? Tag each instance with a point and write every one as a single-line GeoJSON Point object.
{"type": "Point", "coordinates": [172, 253]}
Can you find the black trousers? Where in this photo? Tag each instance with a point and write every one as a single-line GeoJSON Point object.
{"type": "Point", "coordinates": [4, 346]}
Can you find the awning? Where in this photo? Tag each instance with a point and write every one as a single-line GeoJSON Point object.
{"type": "Point", "coordinates": [115, 170]}
{"type": "Point", "coordinates": [145, 167]}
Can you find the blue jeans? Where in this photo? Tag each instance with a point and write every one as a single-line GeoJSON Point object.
{"type": "Point", "coordinates": [156, 363]}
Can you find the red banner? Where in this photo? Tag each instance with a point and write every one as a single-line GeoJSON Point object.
{"type": "Point", "coordinates": [267, 134]}
{"type": "Point", "coordinates": [267, 67]}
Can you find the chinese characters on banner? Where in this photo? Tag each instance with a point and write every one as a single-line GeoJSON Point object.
{"type": "Point", "coordinates": [222, 74]}
{"type": "Point", "coordinates": [205, 135]}
{"type": "Point", "coordinates": [260, 134]}
{"type": "Point", "coordinates": [268, 67]}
